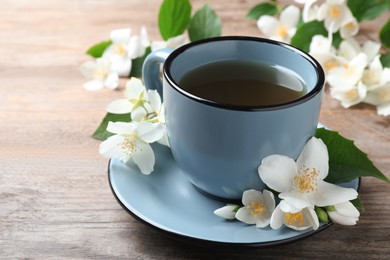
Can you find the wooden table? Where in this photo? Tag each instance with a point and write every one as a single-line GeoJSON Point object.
{"type": "Point", "coordinates": [55, 201]}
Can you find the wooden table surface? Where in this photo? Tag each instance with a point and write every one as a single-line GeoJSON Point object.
{"type": "Point", "coordinates": [55, 200]}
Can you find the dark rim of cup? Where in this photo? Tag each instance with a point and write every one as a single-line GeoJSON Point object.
{"type": "Point", "coordinates": [317, 88]}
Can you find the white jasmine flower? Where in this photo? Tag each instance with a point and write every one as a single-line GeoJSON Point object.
{"type": "Point", "coordinates": [375, 76]}
{"type": "Point", "coordinates": [227, 212]}
{"type": "Point", "coordinates": [350, 96]}
{"type": "Point", "coordinates": [135, 97]}
{"type": "Point", "coordinates": [138, 44]}
{"type": "Point", "coordinates": [100, 74]}
{"type": "Point", "coordinates": [350, 48]}
{"type": "Point", "coordinates": [322, 50]}
{"type": "Point", "coordinates": [349, 27]}
{"type": "Point", "coordinates": [282, 29]}
{"type": "Point", "coordinates": [131, 140]}
{"type": "Point", "coordinates": [117, 52]}
{"type": "Point", "coordinates": [378, 95]}
{"type": "Point", "coordinates": [377, 80]}
{"type": "Point", "coordinates": [349, 74]}
{"type": "Point", "coordinates": [124, 48]}
{"type": "Point", "coordinates": [294, 218]}
{"type": "Point", "coordinates": [320, 44]}
{"type": "Point", "coordinates": [344, 213]}
{"type": "Point", "coordinates": [309, 12]}
{"type": "Point", "coordinates": [172, 43]}
{"type": "Point", "coordinates": [258, 207]}
{"type": "Point", "coordinates": [301, 184]}
{"type": "Point", "coordinates": [335, 13]}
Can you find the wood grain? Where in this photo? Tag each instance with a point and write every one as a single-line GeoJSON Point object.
{"type": "Point", "coordinates": [54, 195]}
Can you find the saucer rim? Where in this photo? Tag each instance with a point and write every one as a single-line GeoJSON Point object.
{"type": "Point", "coordinates": [207, 242]}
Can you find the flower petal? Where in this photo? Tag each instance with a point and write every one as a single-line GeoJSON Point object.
{"type": "Point", "coordinates": [244, 215]}
{"type": "Point", "coordinates": [154, 100]}
{"type": "Point", "coordinates": [278, 172]}
{"type": "Point", "coordinates": [289, 16]}
{"type": "Point", "coordinates": [144, 157]}
{"type": "Point", "coordinates": [269, 200]}
{"type": "Point", "coordinates": [296, 199]}
{"type": "Point", "coordinates": [349, 28]}
{"type": "Point", "coordinates": [135, 49]}
{"type": "Point", "coordinates": [157, 45]}
{"type": "Point", "coordinates": [150, 132]}
{"type": "Point", "coordinates": [262, 222]}
{"type": "Point", "coordinates": [88, 68]}
{"type": "Point", "coordinates": [120, 106]}
{"type": "Point", "coordinates": [121, 127]}
{"type": "Point", "coordinates": [250, 196]}
{"type": "Point", "coordinates": [94, 85]}
{"type": "Point", "coordinates": [341, 219]}
{"type": "Point", "coordinates": [164, 140]}
{"type": "Point", "coordinates": [110, 148]}
{"type": "Point", "coordinates": [120, 35]}
{"type": "Point", "coordinates": [384, 109]}
{"type": "Point", "coordinates": [134, 88]}
{"type": "Point", "coordinates": [349, 48]}
{"type": "Point", "coordinates": [122, 66]}
{"type": "Point", "coordinates": [268, 25]}
{"type": "Point", "coordinates": [277, 218]}
{"type": "Point", "coordinates": [331, 194]}
{"type": "Point", "coordinates": [315, 156]}
{"type": "Point", "coordinates": [112, 81]}
{"type": "Point", "coordinates": [371, 49]}
{"type": "Point", "coordinates": [347, 209]}
{"type": "Point", "coordinates": [286, 207]}
{"type": "Point", "coordinates": [176, 42]}
{"type": "Point", "coordinates": [226, 212]}
{"type": "Point", "coordinates": [311, 218]}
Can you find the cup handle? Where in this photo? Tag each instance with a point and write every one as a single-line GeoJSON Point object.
{"type": "Point", "coordinates": [151, 69]}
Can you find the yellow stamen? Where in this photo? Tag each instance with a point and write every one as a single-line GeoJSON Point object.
{"type": "Point", "coordinates": [294, 218]}
{"type": "Point", "coordinates": [352, 94]}
{"type": "Point", "coordinates": [256, 208]}
{"type": "Point", "coordinates": [350, 71]}
{"type": "Point", "coordinates": [334, 11]}
{"type": "Point", "coordinates": [282, 31]}
{"type": "Point", "coordinates": [330, 64]}
{"type": "Point", "coordinates": [120, 49]}
{"type": "Point", "coordinates": [384, 95]}
{"type": "Point", "coordinates": [306, 180]}
{"type": "Point", "coordinates": [129, 145]}
{"type": "Point", "coordinates": [101, 73]}
{"type": "Point", "coordinates": [350, 26]}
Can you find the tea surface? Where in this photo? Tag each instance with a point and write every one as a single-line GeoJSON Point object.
{"type": "Point", "coordinates": [243, 83]}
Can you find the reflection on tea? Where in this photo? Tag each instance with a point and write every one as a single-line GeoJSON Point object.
{"type": "Point", "coordinates": [243, 83]}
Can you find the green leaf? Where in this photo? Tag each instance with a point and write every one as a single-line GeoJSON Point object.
{"type": "Point", "coordinates": [98, 49]}
{"type": "Point", "coordinates": [204, 24]}
{"type": "Point", "coordinates": [367, 9]}
{"type": "Point", "coordinates": [346, 161]}
{"type": "Point", "coordinates": [269, 8]}
{"type": "Point", "coordinates": [321, 214]}
{"type": "Point", "coordinates": [384, 34]}
{"type": "Point", "coordinates": [136, 64]}
{"type": "Point", "coordinates": [101, 133]}
{"type": "Point", "coordinates": [358, 204]}
{"type": "Point", "coordinates": [336, 40]}
{"type": "Point", "coordinates": [305, 33]}
{"type": "Point", "coordinates": [385, 60]}
{"type": "Point", "coordinates": [174, 17]}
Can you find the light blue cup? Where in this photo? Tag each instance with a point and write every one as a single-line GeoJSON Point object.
{"type": "Point", "coordinates": [219, 147]}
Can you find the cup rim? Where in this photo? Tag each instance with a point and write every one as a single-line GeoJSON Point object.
{"type": "Point", "coordinates": [317, 67]}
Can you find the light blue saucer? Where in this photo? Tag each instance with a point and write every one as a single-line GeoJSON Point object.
{"type": "Point", "coordinates": [166, 200]}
